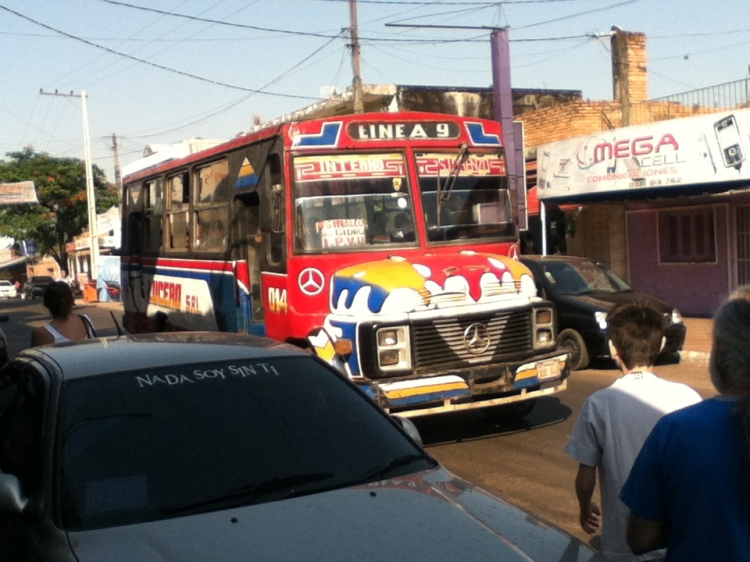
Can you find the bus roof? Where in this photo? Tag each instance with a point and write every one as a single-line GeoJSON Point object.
{"type": "Point", "coordinates": [355, 131]}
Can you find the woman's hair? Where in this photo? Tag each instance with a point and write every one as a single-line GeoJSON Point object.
{"type": "Point", "coordinates": [59, 299]}
{"type": "Point", "coordinates": [730, 359]}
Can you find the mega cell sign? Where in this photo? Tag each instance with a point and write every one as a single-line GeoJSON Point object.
{"type": "Point", "coordinates": [696, 150]}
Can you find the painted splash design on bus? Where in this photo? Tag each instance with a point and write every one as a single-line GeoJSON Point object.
{"type": "Point", "coordinates": [396, 285]}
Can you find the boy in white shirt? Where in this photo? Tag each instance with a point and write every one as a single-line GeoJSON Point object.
{"type": "Point", "coordinates": [615, 422]}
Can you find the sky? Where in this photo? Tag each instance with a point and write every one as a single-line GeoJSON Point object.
{"type": "Point", "coordinates": [160, 71]}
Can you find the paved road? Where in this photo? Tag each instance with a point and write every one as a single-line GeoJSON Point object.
{"type": "Point", "coordinates": [523, 461]}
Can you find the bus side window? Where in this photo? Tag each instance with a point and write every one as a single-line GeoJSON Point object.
{"type": "Point", "coordinates": [134, 214]}
{"type": "Point", "coordinates": [179, 220]}
{"type": "Point", "coordinates": [154, 202]}
{"type": "Point", "coordinates": [211, 206]}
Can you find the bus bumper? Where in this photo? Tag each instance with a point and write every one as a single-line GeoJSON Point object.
{"type": "Point", "coordinates": [482, 387]}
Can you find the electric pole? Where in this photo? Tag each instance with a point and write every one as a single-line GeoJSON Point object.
{"type": "Point", "coordinates": [90, 195]}
{"type": "Point", "coordinates": [354, 35]}
{"type": "Point", "coordinates": [502, 98]}
{"type": "Point", "coordinates": [118, 176]}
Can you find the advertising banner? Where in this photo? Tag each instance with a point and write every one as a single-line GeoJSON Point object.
{"type": "Point", "coordinates": [668, 154]}
{"type": "Point", "coordinates": [17, 192]}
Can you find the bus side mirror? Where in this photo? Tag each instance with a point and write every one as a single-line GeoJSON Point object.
{"type": "Point", "coordinates": [408, 426]}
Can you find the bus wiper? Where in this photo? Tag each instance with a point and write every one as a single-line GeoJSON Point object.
{"type": "Point", "coordinates": [445, 193]}
{"type": "Point", "coordinates": [455, 171]}
{"type": "Point", "coordinates": [249, 494]}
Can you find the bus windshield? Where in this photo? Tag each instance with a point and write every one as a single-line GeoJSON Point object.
{"type": "Point", "coordinates": [351, 202]}
{"type": "Point", "coordinates": [465, 196]}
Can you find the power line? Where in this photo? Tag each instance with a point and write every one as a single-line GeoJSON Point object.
{"type": "Point", "coordinates": [584, 13]}
{"type": "Point", "coordinates": [219, 22]}
{"type": "Point", "coordinates": [282, 31]}
{"type": "Point", "coordinates": [155, 65]}
{"type": "Point", "coordinates": [243, 98]}
{"type": "Point", "coordinates": [425, 3]}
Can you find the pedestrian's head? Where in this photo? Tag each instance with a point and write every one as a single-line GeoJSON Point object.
{"type": "Point", "coordinates": [636, 332]}
{"type": "Point", "coordinates": [59, 299]}
{"type": "Point", "coordinates": [730, 352]}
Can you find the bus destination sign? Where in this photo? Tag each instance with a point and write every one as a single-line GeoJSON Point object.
{"type": "Point", "coordinates": [408, 130]}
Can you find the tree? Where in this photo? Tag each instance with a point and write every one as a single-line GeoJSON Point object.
{"type": "Point", "coordinates": [62, 212]}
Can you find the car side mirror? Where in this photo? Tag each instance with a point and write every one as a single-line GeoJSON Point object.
{"type": "Point", "coordinates": [540, 292]}
{"type": "Point", "coordinates": [408, 426]}
{"type": "Point", "coordinates": [12, 499]}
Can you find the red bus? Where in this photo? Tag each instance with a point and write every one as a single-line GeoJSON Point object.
{"type": "Point", "coordinates": [382, 242]}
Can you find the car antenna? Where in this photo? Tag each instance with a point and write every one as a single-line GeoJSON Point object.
{"type": "Point", "coordinates": [117, 325]}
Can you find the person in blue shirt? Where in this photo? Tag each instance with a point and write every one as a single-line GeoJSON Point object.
{"type": "Point", "coordinates": [689, 488]}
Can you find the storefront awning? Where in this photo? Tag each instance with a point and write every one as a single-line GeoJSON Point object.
{"type": "Point", "coordinates": [532, 203]}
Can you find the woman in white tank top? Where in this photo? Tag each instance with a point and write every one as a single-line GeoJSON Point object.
{"type": "Point", "coordinates": [64, 326]}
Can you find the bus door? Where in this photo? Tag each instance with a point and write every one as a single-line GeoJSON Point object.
{"type": "Point", "coordinates": [246, 227]}
{"type": "Point", "coordinates": [272, 252]}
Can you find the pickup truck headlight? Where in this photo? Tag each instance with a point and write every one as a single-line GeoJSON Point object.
{"type": "Point", "coordinates": [394, 351]}
{"type": "Point", "coordinates": [601, 320]}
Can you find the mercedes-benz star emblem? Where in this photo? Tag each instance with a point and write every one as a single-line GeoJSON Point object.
{"type": "Point", "coordinates": [477, 338]}
{"type": "Point", "coordinates": [311, 281]}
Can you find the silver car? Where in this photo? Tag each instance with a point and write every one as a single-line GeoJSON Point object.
{"type": "Point", "coordinates": [182, 447]}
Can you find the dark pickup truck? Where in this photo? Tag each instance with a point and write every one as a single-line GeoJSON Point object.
{"type": "Point", "coordinates": [35, 286]}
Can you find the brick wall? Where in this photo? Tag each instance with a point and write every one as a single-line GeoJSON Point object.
{"type": "Point", "coordinates": [573, 119]}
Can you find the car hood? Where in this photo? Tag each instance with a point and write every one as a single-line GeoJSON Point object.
{"type": "Point", "coordinates": [604, 301]}
{"type": "Point", "coordinates": [425, 516]}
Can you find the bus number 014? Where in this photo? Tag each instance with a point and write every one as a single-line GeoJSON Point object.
{"type": "Point", "coordinates": [277, 300]}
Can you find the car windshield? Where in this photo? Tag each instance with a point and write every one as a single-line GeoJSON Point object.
{"type": "Point", "coordinates": [141, 446]}
{"type": "Point", "coordinates": [581, 277]}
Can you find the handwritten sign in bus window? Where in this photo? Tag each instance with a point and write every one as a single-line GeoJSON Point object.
{"type": "Point", "coordinates": [338, 233]}
{"type": "Point", "coordinates": [203, 375]}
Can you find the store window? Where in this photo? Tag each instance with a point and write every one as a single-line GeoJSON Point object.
{"type": "Point", "coordinates": [687, 236]}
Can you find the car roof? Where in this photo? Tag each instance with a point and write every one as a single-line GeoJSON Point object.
{"type": "Point", "coordinates": [4, 282]}
{"type": "Point", "coordinates": [143, 351]}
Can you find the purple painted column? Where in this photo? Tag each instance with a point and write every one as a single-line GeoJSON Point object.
{"type": "Point", "coordinates": [503, 102]}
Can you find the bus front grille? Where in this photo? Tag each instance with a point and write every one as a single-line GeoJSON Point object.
{"type": "Point", "coordinates": [446, 342]}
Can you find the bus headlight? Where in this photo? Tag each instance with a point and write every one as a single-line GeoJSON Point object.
{"type": "Point", "coordinates": [394, 351]}
{"type": "Point", "coordinates": [544, 327]}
